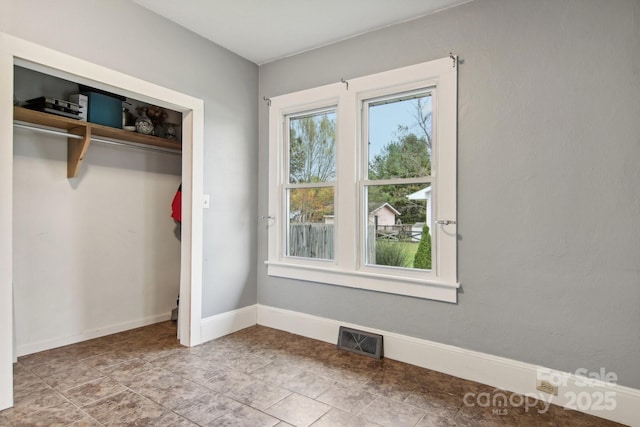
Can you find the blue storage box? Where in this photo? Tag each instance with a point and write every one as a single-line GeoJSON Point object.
{"type": "Point", "coordinates": [104, 108]}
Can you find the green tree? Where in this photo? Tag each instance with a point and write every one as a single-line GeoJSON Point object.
{"type": "Point", "coordinates": [310, 204]}
{"type": "Point", "coordinates": [312, 142]}
{"type": "Point", "coordinates": [312, 159]}
{"type": "Point", "coordinates": [406, 157]}
{"type": "Point", "coordinates": [422, 258]}
{"type": "Point", "coordinates": [391, 253]}
{"type": "Point", "coordinates": [423, 115]}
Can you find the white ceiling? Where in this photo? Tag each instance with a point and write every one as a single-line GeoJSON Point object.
{"type": "Point", "coordinates": [265, 30]}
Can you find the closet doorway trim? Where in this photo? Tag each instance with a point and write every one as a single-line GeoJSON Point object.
{"type": "Point", "coordinates": [12, 50]}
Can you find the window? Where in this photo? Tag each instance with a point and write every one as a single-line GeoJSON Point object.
{"type": "Point", "coordinates": [362, 181]}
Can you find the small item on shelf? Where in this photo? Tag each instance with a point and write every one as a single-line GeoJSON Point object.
{"type": "Point", "coordinates": [157, 115]}
{"type": "Point", "coordinates": [159, 131]}
{"type": "Point", "coordinates": [105, 108]}
{"type": "Point", "coordinates": [127, 117]}
{"type": "Point", "coordinates": [170, 132]}
{"type": "Point", "coordinates": [143, 123]}
{"type": "Point", "coordinates": [83, 102]}
{"type": "Point", "coordinates": [54, 106]}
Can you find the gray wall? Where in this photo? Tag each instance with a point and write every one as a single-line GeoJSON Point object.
{"type": "Point", "coordinates": [548, 197]}
{"type": "Point", "coordinates": [125, 37]}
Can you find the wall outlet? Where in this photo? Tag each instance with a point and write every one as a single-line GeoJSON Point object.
{"type": "Point", "coordinates": [547, 387]}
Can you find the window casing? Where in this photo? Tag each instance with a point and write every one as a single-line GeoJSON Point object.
{"type": "Point", "coordinates": [353, 208]}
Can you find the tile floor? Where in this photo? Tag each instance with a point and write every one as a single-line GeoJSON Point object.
{"type": "Point", "coordinates": [255, 377]}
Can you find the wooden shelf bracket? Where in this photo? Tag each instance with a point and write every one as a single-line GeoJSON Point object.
{"type": "Point", "coordinates": [77, 149]}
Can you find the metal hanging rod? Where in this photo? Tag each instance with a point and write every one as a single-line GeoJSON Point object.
{"type": "Point", "coordinates": [136, 146]}
{"type": "Point", "coordinates": [100, 140]}
{"type": "Point", "coordinates": [49, 131]}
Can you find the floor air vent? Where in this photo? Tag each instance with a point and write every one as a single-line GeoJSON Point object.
{"type": "Point", "coordinates": [360, 342]}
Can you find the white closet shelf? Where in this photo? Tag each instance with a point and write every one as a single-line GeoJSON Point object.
{"type": "Point", "coordinates": [82, 132]}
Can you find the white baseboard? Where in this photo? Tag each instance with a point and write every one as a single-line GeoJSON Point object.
{"type": "Point", "coordinates": [226, 323]}
{"type": "Point", "coordinates": [24, 349]}
{"type": "Point", "coordinates": [605, 400]}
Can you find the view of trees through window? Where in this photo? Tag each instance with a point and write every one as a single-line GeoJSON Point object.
{"type": "Point", "coordinates": [398, 211]}
{"type": "Point", "coordinates": [312, 173]}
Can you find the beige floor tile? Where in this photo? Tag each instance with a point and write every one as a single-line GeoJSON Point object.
{"type": "Point", "coordinates": [207, 407]}
{"type": "Point", "coordinates": [388, 412]}
{"type": "Point", "coordinates": [24, 382]}
{"type": "Point", "coordinates": [347, 399]}
{"type": "Point", "coordinates": [125, 372]}
{"type": "Point", "coordinates": [259, 394]}
{"type": "Point", "coordinates": [247, 363]}
{"type": "Point", "coordinates": [171, 391]}
{"type": "Point", "coordinates": [433, 419]}
{"type": "Point", "coordinates": [59, 415]}
{"type": "Point", "coordinates": [226, 380]}
{"type": "Point", "coordinates": [79, 374]}
{"type": "Point", "coordinates": [442, 403]}
{"type": "Point", "coordinates": [112, 408]}
{"type": "Point", "coordinates": [93, 391]}
{"type": "Point", "coordinates": [34, 359]}
{"type": "Point", "coordinates": [298, 410]}
{"type": "Point", "coordinates": [565, 417]}
{"type": "Point", "coordinates": [390, 384]}
{"type": "Point", "coordinates": [148, 415]}
{"type": "Point", "coordinates": [54, 366]}
{"type": "Point", "coordinates": [85, 422]}
{"type": "Point", "coordinates": [276, 372]}
{"type": "Point", "coordinates": [34, 402]}
{"type": "Point", "coordinates": [336, 417]}
{"type": "Point", "coordinates": [107, 359]}
{"type": "Point", "coordinates": [309, 384]}
{"type": "Point", "coordinates": [244, 416]}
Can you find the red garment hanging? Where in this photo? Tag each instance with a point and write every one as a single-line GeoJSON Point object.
{"type": "Point", "coordinates": [176, 205]}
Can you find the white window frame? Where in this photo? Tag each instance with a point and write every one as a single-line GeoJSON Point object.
{"type": "Point", "coordinates": [348, 267]}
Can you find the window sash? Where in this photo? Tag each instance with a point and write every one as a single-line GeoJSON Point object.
{"type": "Point", "coordinates": [382, 96]}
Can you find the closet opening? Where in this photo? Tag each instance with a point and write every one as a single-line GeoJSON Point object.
{"type": "Point", "coordinates": [106, 249]}
{"type": "Point", "coordinates": [99, 252]}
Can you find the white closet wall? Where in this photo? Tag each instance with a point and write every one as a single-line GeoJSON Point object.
{"type": "Point", "coordinates": [94, 254]}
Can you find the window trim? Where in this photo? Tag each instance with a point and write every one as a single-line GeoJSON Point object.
{"type": "Point", "coordinates": [348, 267]}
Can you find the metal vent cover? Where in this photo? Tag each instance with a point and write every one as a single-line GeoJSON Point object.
{"type": "Point", "coordinates": [360, 342]}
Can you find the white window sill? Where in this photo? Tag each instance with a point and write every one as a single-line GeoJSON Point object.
{"type": "Point", "coordinates": [418, 288]}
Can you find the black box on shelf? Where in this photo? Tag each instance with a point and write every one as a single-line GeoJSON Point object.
{"type": "Point", "coordinates": [54, 106]}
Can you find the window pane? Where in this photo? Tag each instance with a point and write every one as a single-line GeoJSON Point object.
{"type": "Point", "coordinates": [312, 154]}
{"type": "Point", "coordinates": [398, 225]}
{"type": "Point", "coordinates": [400, 134]}
{"type": "Point", "coordinates": [311, 215]}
